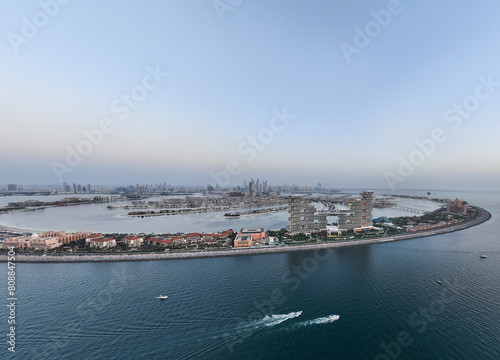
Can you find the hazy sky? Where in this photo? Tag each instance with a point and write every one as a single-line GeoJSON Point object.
{"type": "Point", "coordinates": [337, 92]}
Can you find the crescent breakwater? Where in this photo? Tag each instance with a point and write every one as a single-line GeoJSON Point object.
{"type": "Point", "coordinates": [484, 216]}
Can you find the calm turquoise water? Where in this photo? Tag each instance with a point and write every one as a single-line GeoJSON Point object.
{"type": "Point", "coordinates": [247, 307]}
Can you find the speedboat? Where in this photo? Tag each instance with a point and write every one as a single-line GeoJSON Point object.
{"type": "Point", "coordinates": [333, 317]}
{"type": "Point", "coordinates": [483, 256]}
{"type": "Point", "coordinates": [439, 281]}
{"type": "Point", "coordinates": [162, 297]}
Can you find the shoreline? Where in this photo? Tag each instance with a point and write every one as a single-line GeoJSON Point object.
{"type": "Point", "coordinates": [249, 215]}
{"type": "Point", "coordinates": [19, 230]}
{"type": "Point", "coordinates": [483, 217]}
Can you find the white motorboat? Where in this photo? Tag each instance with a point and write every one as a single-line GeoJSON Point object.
{"type": "Point", "coordinates": [333, 317]}
{"type": "Point", "coordinates": [483, 256]}
{"type": "Point", "coordinates": [162, 297]}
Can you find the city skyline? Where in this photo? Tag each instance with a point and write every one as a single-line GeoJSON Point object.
{"type": "Point", "coordinates": [250, 185]}
{"type": "Point", "coordinates": [348, 94]}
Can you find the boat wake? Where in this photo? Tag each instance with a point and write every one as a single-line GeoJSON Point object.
{"type": "Point", "coordinates": [272, 320]}
{"type": "Point", "coordinates": [318, 321]}
{"type": "Point", "coordinates": [243, 331]}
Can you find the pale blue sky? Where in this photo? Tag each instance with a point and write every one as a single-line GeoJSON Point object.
{"type": "Point", "coordinates": [353, 120]}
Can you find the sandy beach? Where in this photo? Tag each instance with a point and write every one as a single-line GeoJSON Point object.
{"type": "Point", "coordinates": [19, 230]}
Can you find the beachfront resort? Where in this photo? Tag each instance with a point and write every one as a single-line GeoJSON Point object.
{"type": "Point", "coordinates": [307, 225]}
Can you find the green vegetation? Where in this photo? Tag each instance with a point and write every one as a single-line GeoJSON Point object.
{"type": "Point", "coordinates": [434, 217]}
{"type": "Point", "coordinates": [280, 234]}
{"type": "Point", "coordinates": [429, 218]}
{"type": "Point", "coordinates": [301, 237]}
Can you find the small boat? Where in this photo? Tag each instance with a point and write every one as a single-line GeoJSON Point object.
{"type": "Point", "coordinates": [483, 256]}
{"type": "Point", "coordinates": [333, 317]}
{"type": "Point", "coordinates": [232, 215]}
{"type": "Point", "coordinates": [162, 297]}
{"type": "Point", "coordinates": [439, 281]}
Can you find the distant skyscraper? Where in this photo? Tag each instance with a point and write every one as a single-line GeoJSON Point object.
{"type": "Point", "coordinates": [251, 187]}
{"type": "Point", "coordinates": [12, 187]}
